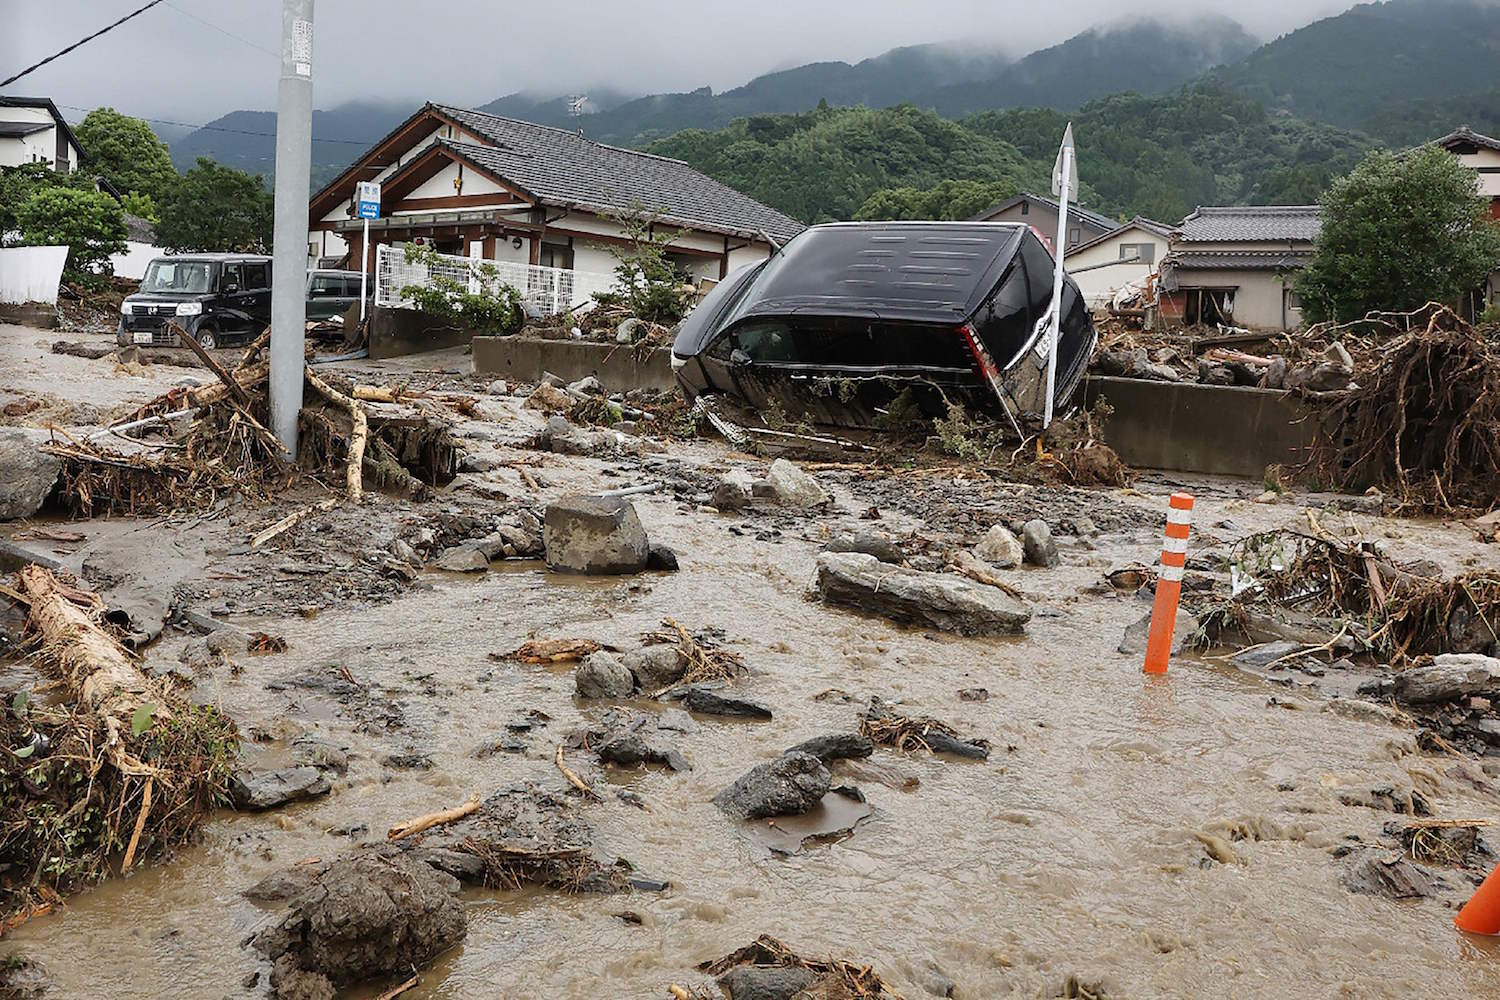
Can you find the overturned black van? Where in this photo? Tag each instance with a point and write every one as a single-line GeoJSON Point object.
{"type": "Point", "coordinates": [848, 316]}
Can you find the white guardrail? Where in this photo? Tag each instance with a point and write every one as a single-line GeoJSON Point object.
{"type": "Point", "coordinates": [545, 291]}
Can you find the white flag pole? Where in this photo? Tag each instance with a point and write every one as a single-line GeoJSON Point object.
{"type": "Point", "coordinates": [1063, 185]}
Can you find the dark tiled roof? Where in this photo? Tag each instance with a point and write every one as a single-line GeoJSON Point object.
{"type": "Point", "coordinates": [1236, 260]}
{"type": "Point", "coordinates": [1464, 134]}
{"type": "Point", "coordinates": [1252, 224]}
{"type": "Point", "coordinates": [1101, 222]}
{"type": "Point", "coordinates": [19, 130]}
{"type": "Point", "coordinates": [139, 229]}
{"type": "Point", "coordinates": [562, 168]}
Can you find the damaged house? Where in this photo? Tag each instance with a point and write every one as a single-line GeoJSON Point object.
{"type": "Point", "coordinates": [1119, 260]}
{"type": "Point", "coordinates": [1235, 265]}
{"type": "Point", "coordinates": [480, 186]}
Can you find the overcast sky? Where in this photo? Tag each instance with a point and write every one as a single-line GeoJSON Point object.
{"type": "Point", "coordinates": [193, 60]}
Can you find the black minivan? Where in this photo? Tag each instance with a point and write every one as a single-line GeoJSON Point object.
{"type": "Point", "coordinates": [220, 299]}
{"type": "Point", "coordinates": [849, 316]}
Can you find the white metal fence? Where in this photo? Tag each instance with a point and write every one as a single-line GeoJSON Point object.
{"type": "Point", "coordinates": [545, 291]}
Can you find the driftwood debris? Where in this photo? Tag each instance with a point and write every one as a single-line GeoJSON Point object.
{"type": "Point", "coordinates": [573, 777]}
{"type": "Point", "coordinates": [291, 520]}
{"type": "Point", "coordinates": [358, 435]}
{"type": "Point", "coordinates": [413, 827]}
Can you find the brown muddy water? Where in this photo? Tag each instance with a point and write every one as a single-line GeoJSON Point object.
{"type": "Point", "coordinates": [1070, 852]}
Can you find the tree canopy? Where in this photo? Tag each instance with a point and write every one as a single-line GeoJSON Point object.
{"type": "Point", "coordinates": [216, 208]}
{"type": "Point", "coordinates": [126, 152]}
{"type": "Point", "coordinates": [90, 223]}
{"type": "Point", "coordinates": [1399, 232]}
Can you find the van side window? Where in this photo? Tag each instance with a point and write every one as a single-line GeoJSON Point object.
{"type": "Point", "coordinates": [1039, 273]}
{"type": "Point", "coordinates": [326, 286]}
{"type": "Point", "coordinates": [232, 275]}
{"type": "Point", "coordinates": [1004, 321]}
{"type": "Point", "coordinates": [256, 276]}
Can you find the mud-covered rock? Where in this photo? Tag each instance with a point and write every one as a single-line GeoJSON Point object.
{"type": "Point", "coordinates": [632, 739]}
{"type": "Point", "coordinates": [549, 399]}
{"type": "Point", "coordinates": [602, 675]}
{"type": "Point", "coordinates": [870, 544]}
{"type": "Point", "coordinates": [1038, 545]}
{"type": "Point", "coordinates": [1185, 630]}
{"type": "Point", "coordinates": [1450, 677]}
{"type": "Point", "coordinates": [463, 559]}
{"type": "Point", "coordinates": [838, 746]}
{"type": "Point", "coordinates": [761, 982]}
{"type": "Point", "coordinates": [706, 701]}
{"type": "Point", "coordinates": [1000, 548]}
{"type": "Point", "coordinates": [656, 667]}
{"type": "Point", "coordinates": [27, 475]}
{"type": "Point", "coordinates": [732, 491]}
{"type": "Point", "coordinates": [22, 979]}
{"type": "Point", "coordinates": [594, 535]}
{"type": "Point", "coordinates": [788, 786]}
{"type": "Point", "coordinates": [794, 487]}
{"type": "Point", "coordinates": [662, 558]}
{"type": "Point", "coordinates": [1394, 878]}
{"type": "Point", "coordinates": [269, 789]}
{"type": "Point", "coordinates": [367, 916]}
{"type": "Point", "coordinates": [938, 600]}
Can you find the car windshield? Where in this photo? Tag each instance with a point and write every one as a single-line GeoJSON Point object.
{"type": "Point", "coordinates": [185, 276]}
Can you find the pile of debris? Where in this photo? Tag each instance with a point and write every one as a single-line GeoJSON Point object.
{"type": "Point", "coordinates": [766, 967]}
{"type": "Point", "coordinates": [123, 767]}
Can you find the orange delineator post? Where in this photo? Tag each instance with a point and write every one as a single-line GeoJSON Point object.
{"type": "Point", "coordinates": [1169, 583]}
{"type": "Point", "coordinates": [1481, 914]}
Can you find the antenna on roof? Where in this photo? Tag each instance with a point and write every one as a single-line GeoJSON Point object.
{"type": "Point", "coordinates": [575, 108]}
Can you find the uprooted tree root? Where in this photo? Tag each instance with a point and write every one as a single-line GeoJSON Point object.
{"type": "Point", "coordinates": [836, 978]}
{"type": "Point", "coordinates": [129, 768]}
{"type": "Point", "coordinates": [1425, 425]}
{"type": "Point", "coordinates": [1071, 451]}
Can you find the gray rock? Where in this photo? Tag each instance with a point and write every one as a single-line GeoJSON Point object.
{"type": "Point", "coordinates": [732, 491]}
{"type": "Point", "coordinates": [1450, 677]}
{"type": "Point", "coordinates": [939, 600]}
{"type": "Point", "coordinates": [629, 330]}
{"type": "Point", "coordinates": [498, 388]}
{"type": "Point", "coordinates": [553, 380]}
{"type": "Point", "coordinates": [788, 786]}
{"type": "Point", "coordinates": [1036, 540]}
{"type": "Point", "coordinates": [632, 740]}
{"type": "Point", "coordinates": [761, 489]}
{"type": "Point", "coordinates": [795, 487]}
{"type": "Point", "coordinates": [368, 915]}
{"type": "Point", "coordinates": [840, 746]}
{"type": "Point", "coordinates": [524, 542]}
{"type": "Point", "coordinates": [586, 386]}
{"type": "Point", "coordinates": [656, 667]}
{"type": "Point", "coordinates": [1266, 653]}
{"type": "Point", "coordinates": [1276, 373]}
{"type": "Point", "coordinates": [268, 789]}
{"type": "Point", "coordinates": [492, 546]}
{"type": "Point", "coordinates": [594, 535]}
{"type": "Point", "coordinates": [601, 675]}
{"type": "Point", "coordinates": [1133, 643]}
{"type": "Point", "coordinates": [27, 476]}
{"type": "Point", "coordinates": [766, 982]}
{"type": "Point", "coordinates": [707, 702]}
{"type": "Point", "coordinates": [462, 559]}
{"type": "Point", "coordinates": [556, 427]}
{"type": "Point", "coordinates": [1000, 548]}
{"type": "Point", "coordinates": [1393, 878]}
{"type": "Point", "coordinates": [404, 552]}
{"type": "Point", "coordinates": [661, 557]}
{"type": "Point", "coordinates": [870, 544]}
{"type": "Point", "coordinates": [1085, 527]}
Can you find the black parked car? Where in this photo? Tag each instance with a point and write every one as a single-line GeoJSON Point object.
{"type": "Point", "coordinates": [847, 317]}
{"type": "Point", "coordinates": [219, 299]}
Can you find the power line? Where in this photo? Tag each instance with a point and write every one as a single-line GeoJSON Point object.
{"type": "Point", "coordinates": [223, 31]}
{"type": "Point", "coordinates": [87, 38]}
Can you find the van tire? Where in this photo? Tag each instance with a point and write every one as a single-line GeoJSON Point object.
{"type": "Point", "coordinates": [207, 337]}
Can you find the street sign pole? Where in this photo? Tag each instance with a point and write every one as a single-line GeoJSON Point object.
{"type": "Point", "coordinates": [369, 208]}
{"type": "Point", "coordinates": [1064, 185]}
{"type": "Point", "coordinates": [289, 262]}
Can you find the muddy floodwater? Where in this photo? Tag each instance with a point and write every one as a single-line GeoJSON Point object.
{"type": "Point", "coordinates": [1073, 851]}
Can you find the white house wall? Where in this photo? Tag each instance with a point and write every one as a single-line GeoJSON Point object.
{"type": "Point", "coordinates": [1485, 160]}
{"type": "Point", "coordinates": [132, 263]}
{"type": "Point", "coordinates": [440, 185]}
{"type": "Point", "coordinates": [593, 257]}
{"type": "Point", "coordinates": [740, 256]}
{"type": "Point", "coordinates": [31, 274]}
{"type": "Point", "coordinates": [1258, 296]}
{"type": "Point", "coordinates": [1100, 284]}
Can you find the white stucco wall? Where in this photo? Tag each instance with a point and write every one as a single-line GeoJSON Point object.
{"type": "Point", "coordinates": [740, 256]}
{"type": "Point", "coordinates": [31, 274]}
{"type": "Point", "coordinates": [1485, 159]}
{"type": "Point", "coordinates": [132, 263]}
{"type": "Point", "coordinates": [440, 185]}
{"type": "Point", "coordinates": [31, 148]}
{"type": "Point", "coordinates": [1099, 285]}
{"type": "Point", "coordinates": [594, 257]}
{"type": "Point", "coordinates": [1257, 299]}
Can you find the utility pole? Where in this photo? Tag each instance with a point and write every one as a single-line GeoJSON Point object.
{"type": "Point", "coordinates": [289, 264]}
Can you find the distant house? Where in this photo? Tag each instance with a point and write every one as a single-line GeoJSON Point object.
{"type": "Point", "coordinates": [498, 189]}
{"type": "Point", "coordinates": [32, 130]}
{"type": "Point", "coordinates": [1033, 210]}
{"type": "Point", "coordinates": [1480, 153]}
{"type": "Point", "coordinates": [1125, 256]}
{"type": "Point", "coordinates": [1235, 266]}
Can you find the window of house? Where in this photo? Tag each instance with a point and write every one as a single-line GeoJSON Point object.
{"type": "Point", "coordinates": [1293, 300]}
{"type": "Point", "coordinates": [556, 255]}
{"type": "Point", "coordinates": [1075, 236]}
{"type": "Point", "coordinates": [1145, 253]}
{"type": "Point", "coordinates": [1025, 208]}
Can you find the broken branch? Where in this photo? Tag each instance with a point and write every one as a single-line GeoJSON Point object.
{"type": "Point", "coordinates": [427, 822]}
{"type": "Point", "coordinates": [573, 778]}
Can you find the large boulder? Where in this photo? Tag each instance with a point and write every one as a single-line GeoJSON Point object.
{"type": "Point", "coordinates": [938, 600]}
{"type": "Point", "coordinates": [269, 789]}
{"type": "Point", "coordinates": [795, 487]}
{"type": "Point", "coordinates": [601, 675]}
{"type": "Point", "coordinates": [767, 982]}
{"type": "Point", "coordinates": [594, 535]}
{"type": "Point", "coordinates": [27, 475]}
{"type": "Point", "coordinates": [788, 786]}
{"type": "Point", "coordinates": [367, 916]}
{"type": "Point", "coordinates": [1450, 677]}
{"type": "Point", "coordinates": [732, 491]}
{"type": "Point", "coordinates": [1036, 541]}
{"type": "Point", "coordinates": [656, 667]}
{"type": "Point", "coordinates": [1000, 548]}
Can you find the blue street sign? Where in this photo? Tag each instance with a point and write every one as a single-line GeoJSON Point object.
{"type": "Point", "coordinates": [369, 199]}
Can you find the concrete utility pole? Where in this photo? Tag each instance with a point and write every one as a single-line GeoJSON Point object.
{"type": "Point", "coordinates": [289, 266]}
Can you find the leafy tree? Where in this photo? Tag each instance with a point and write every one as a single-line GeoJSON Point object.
{"type": "Point", "coordinates": [91, 224]}
{"type": "Point", "coordinates": [647, 283]}
{"type": "Point", "coordinates": [140, 204]}
{"type": "Point", "coordinates": [946, 201]}
{"type": "Point", "coordinates": [125, 152]}
{"type": "Point", "coordinates": [1399, 232]}
{"type": "Point", "coordinates": [18, 184]}
{"type": "Point", "coordinates": [216, 208]}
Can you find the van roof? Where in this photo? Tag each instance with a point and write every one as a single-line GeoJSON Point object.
{"type": "Point", "coordinates": [215, 258]}
{"type": "Point", "coordinates": [933, 272]}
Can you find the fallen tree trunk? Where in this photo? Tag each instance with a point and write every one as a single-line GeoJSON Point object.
{"type": "Point", "coordinates": [358, 435]}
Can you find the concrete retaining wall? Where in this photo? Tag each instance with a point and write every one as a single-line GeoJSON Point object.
{"type": "Point", "coordinates": [1217, 430]}
{"type": "Point", "coordinates": [524, 359]}
{"type": "Point", "coordinates": [31, 274]}
{"type": "Point", "coordinates": [397, 332]}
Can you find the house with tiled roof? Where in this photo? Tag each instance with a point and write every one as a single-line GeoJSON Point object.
{"type": "Point", "coordinates": [486, 187]}
{"type": "Point", "coordinates": [1084, 225]}
{"type": "Point", "coordinates": [32, 130]}
{"type": "Point", "coordinates": [1122, 258]}
{"type": "Point", "coordinates": [1235, 265]}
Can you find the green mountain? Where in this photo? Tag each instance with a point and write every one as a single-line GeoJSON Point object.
{"type": "Point", "coordinates": [1159, 156]}
{"type": "Point", "coordinates": [1367, 67]}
